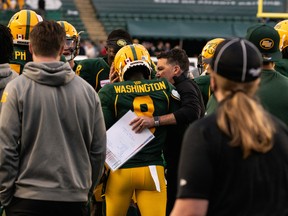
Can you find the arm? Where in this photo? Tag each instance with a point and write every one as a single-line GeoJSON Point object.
{"type": "Point", "coordinates": [98, 147]}
{"type": "Point", "coordinates": [113, 75]}
{"type": "Point", "coordinates": [191, 108]}
{"type": "Point", "coordinates": [190, 207]}
{"type": "Point", "coordinates": [10, 127]}
{"type": "Point", "coordinates": [139, 123]}
{"type": "Point", "coordinates": [192, 105]}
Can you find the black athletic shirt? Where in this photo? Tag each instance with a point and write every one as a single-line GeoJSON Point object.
{"type": "Point", "coordinates": [211, 169]}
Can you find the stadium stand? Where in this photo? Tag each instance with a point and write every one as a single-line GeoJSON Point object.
{"type": "Point", "coordinates": [235, 16]}
{"type": "Point", "coordinates": [70, 14]}
{"type": "Point", "coordinates": [67, 12]}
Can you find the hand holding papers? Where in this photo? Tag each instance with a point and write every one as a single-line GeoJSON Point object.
{"type": "Point", "coordinates": [123, 142]}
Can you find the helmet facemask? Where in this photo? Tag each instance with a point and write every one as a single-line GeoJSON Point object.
{"type": "Point", "coordinates": [72, 45]}
{"type": "Point", "coordinates": [71, 48]}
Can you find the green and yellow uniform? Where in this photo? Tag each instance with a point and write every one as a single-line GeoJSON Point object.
{"type": "Point", "coordinates": [94, 71]}
{"type": "Point", "coordinates": [21, 56]}
{"type": "Point", "coordinates": [145, 98]}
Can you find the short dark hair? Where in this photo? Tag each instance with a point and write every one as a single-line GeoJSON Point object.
{"type": "Point", "coordinates": [6, 44]}
{"type": "Point", "coordinates": [47, 38]}
{"type": "Point", "coordinates": [176, 56]}
{"type": "Point", "coordinates": [120, 33]}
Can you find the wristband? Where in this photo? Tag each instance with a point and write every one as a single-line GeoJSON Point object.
{"type": "Point", "coordinates": [156, 121]}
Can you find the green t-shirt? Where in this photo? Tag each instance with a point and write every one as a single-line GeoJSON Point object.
{"type": "Point", "coordinates": [282, 67]}
{"type": "Point", "coordinates": [145, 98]}
{"type": "Point", "coordinates": [271, 93]}
{"type": "Point", "coordinates": [95, 71]}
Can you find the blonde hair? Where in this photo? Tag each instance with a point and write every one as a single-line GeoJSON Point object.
{"type": "Point", "coordinates": [241, 117]}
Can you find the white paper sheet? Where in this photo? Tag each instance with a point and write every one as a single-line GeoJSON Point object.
{"type": "Point", "coordinates": [123, 142]}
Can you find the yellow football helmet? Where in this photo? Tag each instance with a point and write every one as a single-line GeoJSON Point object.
{"type": "Point", "coordinates": [208, 52]}
{"type": "Point", "coordinates": [130, 56]}
{"type": "Point", "coordinates": [72, 46]}
{"type": "Point", "coordinates": [282, 29]}
{"type": "Point", "coordinates": [21, 24]}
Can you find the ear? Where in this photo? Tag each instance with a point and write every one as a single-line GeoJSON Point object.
{"type": "Point", "coordinates": [61, 50]}
{"type": "Point", "coordinates": [213, 84]}
{"type": "Point", "coordinates": [30, 48]}
{"type": "Point", "coordinates": [177, 70]}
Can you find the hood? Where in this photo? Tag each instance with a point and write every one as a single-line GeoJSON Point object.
{"type": "Point", "coordinates": [49, 73]}
{"type": "Point", "coordinates": [6, 75]}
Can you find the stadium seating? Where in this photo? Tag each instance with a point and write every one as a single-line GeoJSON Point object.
{"type": "Point", "coordinates": [67, 12]}
{"type": "Point", "coordinates": [71, 15]}
{"type": "Point", "coordinates": [116, 14]}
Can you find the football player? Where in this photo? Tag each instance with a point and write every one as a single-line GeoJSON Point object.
{"type": "Point", "coordinates": [95, 70]}
{"type": "Point", "coordinates": [21, 24]}
{"type": "Point", "coordinates": [145, 97]}
{"type": "Point", "coordinates": [282, 65]}
{"type": "Point", "coordinates": [203, 81]}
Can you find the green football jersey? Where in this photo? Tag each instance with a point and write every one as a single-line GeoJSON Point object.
{"type": "Point", "coordinates": [95, 71]}
{"type": "Point", "coordinates": [21, 56]}
{"type": "Point", "coordinates": [204, 85]}
{"type": "Point", "coordinates": [145, 98]}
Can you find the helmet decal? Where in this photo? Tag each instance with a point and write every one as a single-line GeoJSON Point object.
{"type": "Point", "coordinates": [134, 52]}
{"type": "Point", "coordinates": [21, 24]}
{"type": "Point", "coordinates": [121, 42]}
{"type": "Point", "coordinates": [130, 56]}
{"type": "Point", "coordinates": [28, 24]}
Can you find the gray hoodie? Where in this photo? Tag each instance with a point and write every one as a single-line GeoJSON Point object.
{"type": "Point", "coordinates": [53, 136]}
{"type": "Point", "coordinates": [6, 75]}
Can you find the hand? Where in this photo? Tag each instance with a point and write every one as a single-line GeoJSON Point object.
{"type": "Point", "coordinates": [113, 75]}
{"type": "Point", "coordinates": [140, 123]}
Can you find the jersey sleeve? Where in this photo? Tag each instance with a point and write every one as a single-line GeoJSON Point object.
{"type": "Point", "coordinates": [106, 98]}
{"type": "Point", "coordinates": [93, 71]}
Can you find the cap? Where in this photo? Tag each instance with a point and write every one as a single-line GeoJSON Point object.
{"type": "Point", "coordinates": [238, 60]}
{"type": "Point", "coordinates": [267, 40]}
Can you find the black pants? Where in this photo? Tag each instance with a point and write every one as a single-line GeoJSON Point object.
{"type": "Point", "coordinates": [29, 207]}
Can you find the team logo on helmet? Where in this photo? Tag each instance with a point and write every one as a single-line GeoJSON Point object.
{"type": "Point", "coordinates": [121, 42]}
{"type": "Point", "coordinates": [267, 43]}
{"type": "Point", "coordinates": [211, 48]}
